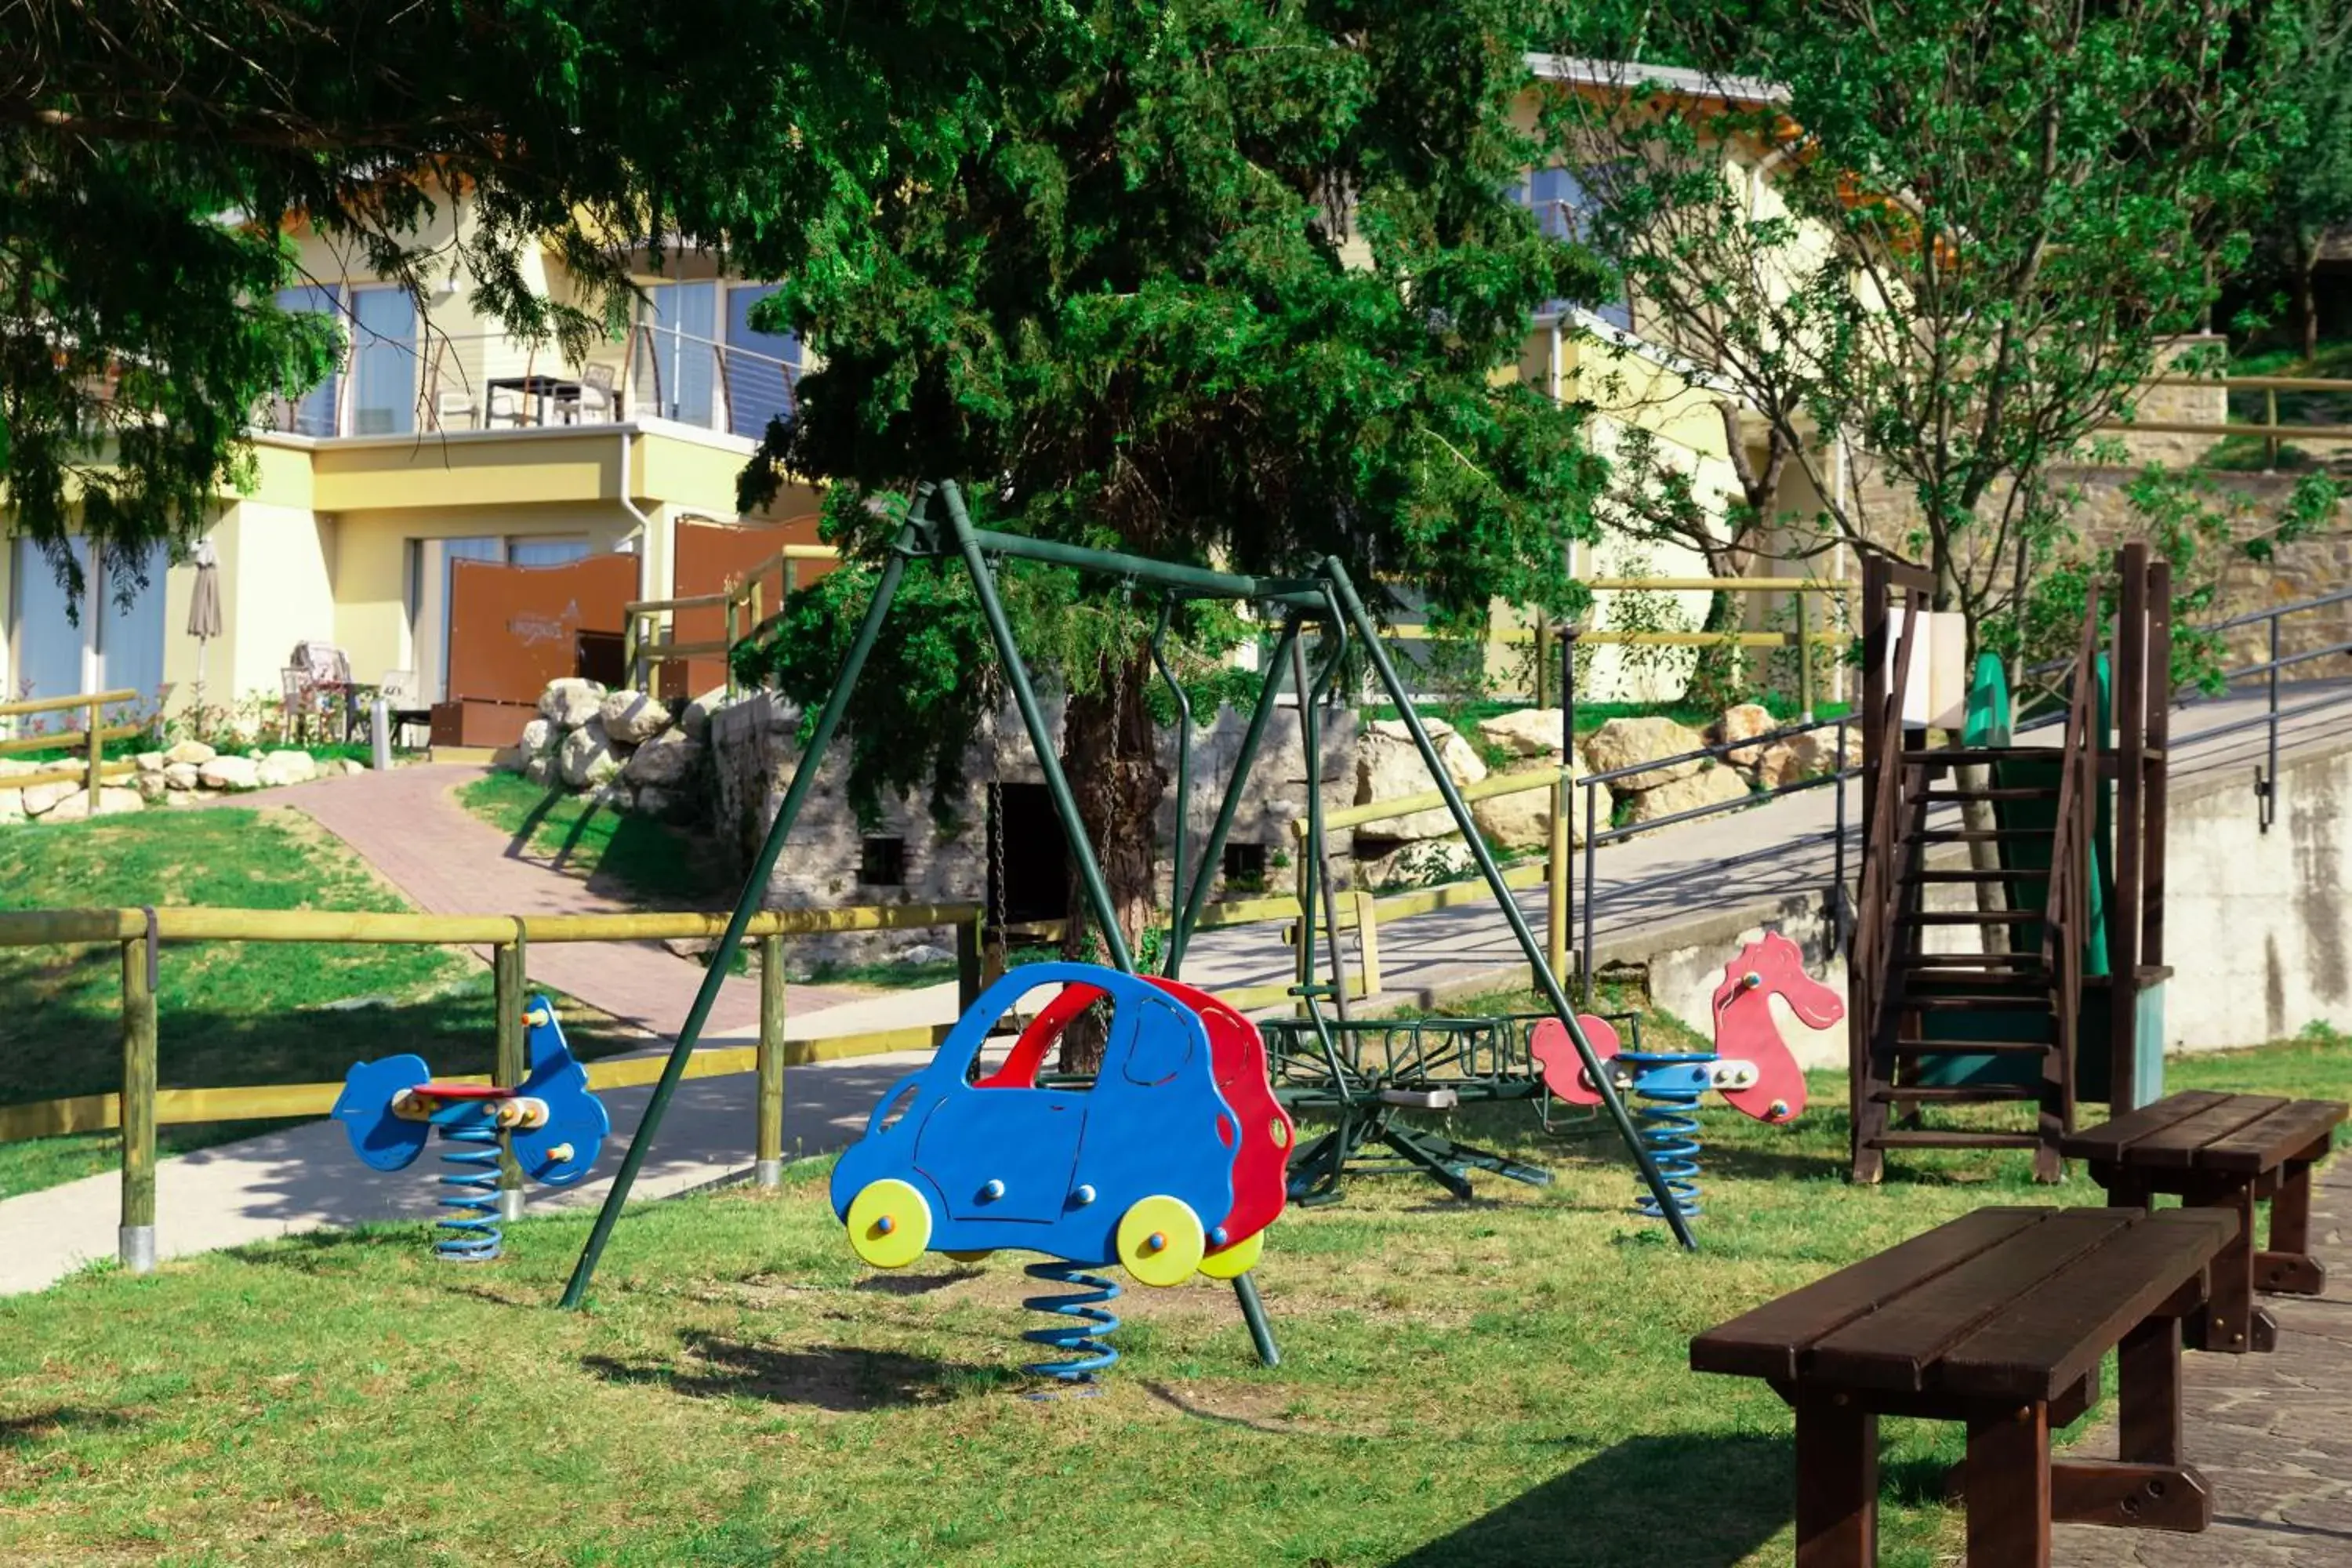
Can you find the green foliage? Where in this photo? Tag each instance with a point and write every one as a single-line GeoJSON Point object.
{"type": "Point", "coordinates": [648, 863]}
{"type": "Point", "coordinates": [1227, 282]}
{"type": "Point", "coordinates": [2313, 192]}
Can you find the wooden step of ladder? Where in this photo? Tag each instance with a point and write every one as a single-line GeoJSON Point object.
{"type": "Point", "coordinates": [1957, 1094]}
{"type": "Point", "coordinates": [1922, 1050]}
{"type": "Point", "coordinates": [1942, 1139]}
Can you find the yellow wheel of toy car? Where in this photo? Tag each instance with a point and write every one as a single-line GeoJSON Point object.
{"type": "Point", "coordinates": [1161, 1241]}
{"type": "Point", "coordinates": [1235, 1260]}
{"type": "Point", "coordinates": [981, 1256]}
{"type": "Point", "coordinates": [889, 1224]}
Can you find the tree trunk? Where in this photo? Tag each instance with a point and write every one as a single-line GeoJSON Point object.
{"type": "Point", "coordinates": [1110, 752]}
{"type": "Point", "coordinates": [1718, 678]}
{"type": "Point", "coordinates": [2306, 296]}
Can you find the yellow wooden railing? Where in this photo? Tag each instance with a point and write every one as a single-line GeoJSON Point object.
{"type": "Point", "coordinates": [645, 638]}
{"type": "Point", "coordinates": [93, 770]}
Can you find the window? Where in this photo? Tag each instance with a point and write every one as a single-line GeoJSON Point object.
{"type": "Point", "coordinates": [383, 361]}
{"type": "Point", "coordinates": [101, 646]}
{"type": "Point", "coordinates": [759, 376]}
{"type": "Point", "coordinates": [1246, 866]}
{"type": "Point", "coordinates": [882, 863]}
{"type": "Point", "coordinates": [315, 414]}
{"type": "Point", "coordinates": [676, 368]}
{"type": "Point", "coordinates": [1561, 205]}
{"type": "Point", "coordinates": [546, 552]}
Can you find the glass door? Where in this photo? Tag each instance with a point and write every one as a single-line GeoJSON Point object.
{"type": "Point", "coordinates": [384, 330]}
{"type": "Point", "coordinates": [315, 414]}
{"type": "Point", "coordinates": [685, 333]}
{"type": "Point", "coordinates": [47, 645]}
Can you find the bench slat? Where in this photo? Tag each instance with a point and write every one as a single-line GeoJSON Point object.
{"type": "Point", "coordinates": [2180, 1145]}
{"type": "Point", "coordinates": [2274, 1140]}
{"type": "Point", "coordinates": [1769, 1341]}
{"type": "Point", "coordinates": [2107, 1140]}
{"type": "Point", "coordinates": [1891, 1349]}
{"type": "Point", "coordinates": [2050, 1336]}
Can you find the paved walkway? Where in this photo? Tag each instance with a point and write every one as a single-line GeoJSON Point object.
{"type": "Point", "coordinates": [2273, 1433]}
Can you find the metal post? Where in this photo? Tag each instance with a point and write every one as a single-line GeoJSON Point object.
{"type": "Point", "coordinates": [1311, 854]}
{"type": "Point", "coordinates": [1025, 696]}
{"type": "Point", "coordinates": [1254, 1314]}
{"type": "Point", "coordinates": [1591, 884]}
{"type": "Point", "coordinates": [768, 1145]}
{"type": "Point", "coordinates": [1837, 873]}
{"type": "Point", "coordinates": [1548, 983]}
{"type": "Point", "coordinates": [971, 960]}
{"type": "Point", "coordinates": [2267, 781]}
{"type": "Point", "coordinates": [1543, 661]}
{"type": "Point", "coordinates": [804, 780]}
{"type": "Point", "coordinates": [1804, 662]}
{"type": "Point", "coordinates": [380, 735]}
{"type": "Point", "coordinates": [1212, 853]}
{"type": "Point", "coordinates": [510, 1068]}
{"type": "Point", "coordinates": [1183, 766]}
{"type": "Point", "coordinates": [135, 1242]}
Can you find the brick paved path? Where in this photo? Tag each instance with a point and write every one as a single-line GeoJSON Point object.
{"type": "Point", "coordinates": [2272, 1433]}
{"type": "Point", "coordinates": [408, 825]}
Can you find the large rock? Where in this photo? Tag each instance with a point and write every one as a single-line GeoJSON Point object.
{"type": "Point", "coordinates": [663, 764]}
{"type": "Point", "coordinates": [112, 802]}
{"type": "Point", "coordinates": [1388, 766]}
{"type": "Point", "coordinates": [195, 753]}
{"type": "Point", "coordinates": [12, 806]}
{"type": "Point", "coordinates": [663, 804]}
{"type": "Point", "coordinates": [542, 770]}
{"type": "Point", "coordinates": [1707, 786]}
{"type": "Point", "coordinates": [149, 761]}
{"type": "Point", "coordinates": [570, 702]}
{"type": "Point", "coordinates": [1628, 743]}
{"type": "Point", "coordinates": [151, 787]}
{"type": "Point", "coordinates": [1744, 721]}
{"type": "Point", "coordinates": [230, 773]}
{"type": "Point", "coordinates": [279, 769]}
{"type": "Point", "coordinates": [1523, 821]}
{"type": "Point", "coordinates": [585, 759]}
{"type": "Point", "coordinates": [695, 718]}
{"type": "Point", "coordinates": [42, 799]}
{"type": "Point", "coordinates": [10, 767]}
{"type": "Point", "coordinates": [1527, 733]}
{"type": "Point", "coordinates": [180, 775]}
{"type": "Point", "coordinates": [350, 765]}
{"type": "Point", "coordinates": [1415, 865]}
{"type": "Point", "coordinates": [632, 718]}
{"type": "Point", "coordinates": [540, 737]}
{"type": "Point", "coordinates": [1805, 756]}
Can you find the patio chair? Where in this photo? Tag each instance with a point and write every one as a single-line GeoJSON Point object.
{"type": "Point", "coordinates": [453, 410]}
{"type": "Point", "coordinates": [596, 399]}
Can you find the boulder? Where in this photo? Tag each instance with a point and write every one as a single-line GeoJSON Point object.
{"type": "Point", "coordinates": [112, 802]}
{"type": "Point", "coordinates": [585, 759]}
{"type": "Point", "coordinates": [151, 787]}
{"type": "Point", "coordinates": [663, 764]}
{"type": "Point", "coordinates": [1805, 756]}
{"type": "Point", "coordinates": [570, 702]}
{"type": "Point", "coordinates": [195, 753]}
{"type": "Point", "coordinates": [180, 775]}
{"type": "Point", "coordinates": [12, 806]}
{"type": "Point", "coordinates": [1707, 786]}
{"type": "Point", "coordinates": [279, 769]}
{"type": "Point", "coordinates": [149, 761]}
{"type": "Point", "coordinates": [1416, 866]}
{"type": "Point", "coordinates": [352, 765]}
{"type": "Point", "coordinates": [923, 953]}
{"type": "Point", "coordinates": [42, 799]}
{"type": "Point", "coordinates": [230, 773]}
{"type": "Point", "coordinates": [1388, 766]}
{"type": "Point", "coordinates": [539, 737]}
{"type": "Point", "coordinates": [542, 770]}
{"type": "Point", "coordinates": [1526, 732]}
{"type": "Point", "coordinates": [663, 804]}
{"type": "Point", "coordinates": [1629, 742]}
{"type": "Point", "coordinates": [1744, 721]}
{"type": "Point", "coordinates": [1523, 821]}
{"type": "Point", "coordinates": [10, 767]}
{"type": "Point", "coordinates": [695, 718]}
{"type": "Point", "coordinates": [632, 718]}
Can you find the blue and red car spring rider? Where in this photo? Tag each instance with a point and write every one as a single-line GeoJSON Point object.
{"type": "Point", "coordinates": [1169, 1162]}
{"type": "Point", "coordinates": [551, 1122]}
{"type": "Point", "coordinates": [1750, 1065]}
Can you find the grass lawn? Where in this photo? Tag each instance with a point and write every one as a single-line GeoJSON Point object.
{"type": "Point", "coordinates": [1492, 1384]}
{"type": "Point", "coordinates": [613, 850]}
{"type": "Point", "coordinates": [230, 1013]}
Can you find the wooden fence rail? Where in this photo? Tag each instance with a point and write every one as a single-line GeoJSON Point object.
{"type": "Point", "coordinates": [93, 770]}
{"type": "Point", "coordinates": [139, 1107]}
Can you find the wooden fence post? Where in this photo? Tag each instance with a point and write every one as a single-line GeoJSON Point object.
{"type": "Point", "coordinates": [729, 656]}
{"type": "Point", "coordinates": [1804, 662]}
{"type": "Point", "coordinates": [97, 755]}
{"type": "Point", "coordinates": [508, 985]}
{"type": "Point", "coordinates": [136, 1240]}
{"type": "Point", "coordinates": [971, 945]}
{"type": "Point", "coordinates": [767, 1156]}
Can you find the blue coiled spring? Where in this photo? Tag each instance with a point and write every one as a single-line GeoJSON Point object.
{"type": "Point", "coordinates": [469, 1232]}
{"type": "Point", "coordinates": [1084, 1336]}
{"type": "Point", "coordinates": [1671, 1082]}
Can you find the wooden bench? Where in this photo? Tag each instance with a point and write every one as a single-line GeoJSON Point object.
{"type": "Point", "coordinates": [2225, 1150]}
{"type": "Point", "coordinates": [1998, 1319]}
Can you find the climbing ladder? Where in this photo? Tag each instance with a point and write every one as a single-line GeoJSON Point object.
{"type": "Point", "coordinates": [2053, 1008]}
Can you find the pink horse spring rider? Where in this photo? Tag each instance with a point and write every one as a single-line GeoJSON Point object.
{"type": "Point", "coordinates": [1750, 1066]}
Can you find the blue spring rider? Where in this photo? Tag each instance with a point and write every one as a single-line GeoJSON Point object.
{"type": "Point", "coordinates": [550, 1121]}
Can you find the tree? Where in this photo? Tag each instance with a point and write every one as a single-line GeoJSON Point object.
{"type": "Point", "coordinates": [1941, 243]}
{"type": "Point", "coordinates": [1230, 282]}
{"type": "Point", "coordinates": [149, 150]}
{"type": "Point", "coordinates": [2314, 192]}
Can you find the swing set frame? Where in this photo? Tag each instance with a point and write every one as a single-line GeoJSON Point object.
{"type": "Point", "coordinates": [1326, 598]}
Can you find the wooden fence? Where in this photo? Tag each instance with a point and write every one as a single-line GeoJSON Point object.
{"type": "Point", "coordinates": [93, 770]}
{"type": "Point", "coordinates": [645, 641]}
{"type": "Point", "coordinates": [139, 1107]}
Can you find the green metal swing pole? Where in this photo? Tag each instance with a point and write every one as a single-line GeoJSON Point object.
{"type": "Point", "coordinates": [1337, 574]}
{"type": "Point", "coordinates": [1317, 879]}
{"type": "Point", "coordinates": [715, 977]}
{"type": "Point", "coordinates": [1199, 581]}
{"type": "Point", "coordinates": [1025, 696]}
{"type": "Point", "coordinates": [1213, 852]}
{"type": "Point", "coordinates": [1183, 766]}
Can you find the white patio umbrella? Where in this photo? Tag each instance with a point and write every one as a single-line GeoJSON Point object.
{"type": "Point", "coordinates": [204, 608]}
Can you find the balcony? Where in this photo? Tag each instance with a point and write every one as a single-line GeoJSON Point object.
{"type": "Point", "coordinates": [434, 382]}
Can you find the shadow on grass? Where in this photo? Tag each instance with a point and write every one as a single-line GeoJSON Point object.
{"type": "Point", "coordinates": [41, 1426]}
{"type": "Point", "coordinates": [824, 1377]}
{"type": "Point", "coordinates": [1693, 1502]}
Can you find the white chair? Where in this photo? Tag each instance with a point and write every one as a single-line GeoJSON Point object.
{"type": "Point", "coordinates": [506, 405]}
{"type": "Point", "coordinates": [596, 399]}
{"type": "Point", "coordinates": [453, 410]}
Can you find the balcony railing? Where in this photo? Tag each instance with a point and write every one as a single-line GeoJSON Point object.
{"type": "Point", "coordinates": [488, 381]}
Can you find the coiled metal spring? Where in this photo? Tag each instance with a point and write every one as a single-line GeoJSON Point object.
{"type": "Point", "coordinates": [469, 1232]}
{"type": "Point", "coordinates": [1671, 1083]}
{"type": "Point", "coordinates": [1084, 1336]}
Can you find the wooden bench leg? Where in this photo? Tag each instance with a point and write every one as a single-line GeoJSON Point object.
{"type": "Point", "coordinates": [2147, 1487]}
{"type": "Point", "coordinates": [2009, 1488]}
{"type": "Point", "coordinates": [1837, 1483]}
{"type": "Point", "coordinates": [2286, 1267]}
{"type": "Point", "coordinates": [2231, 1324]}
